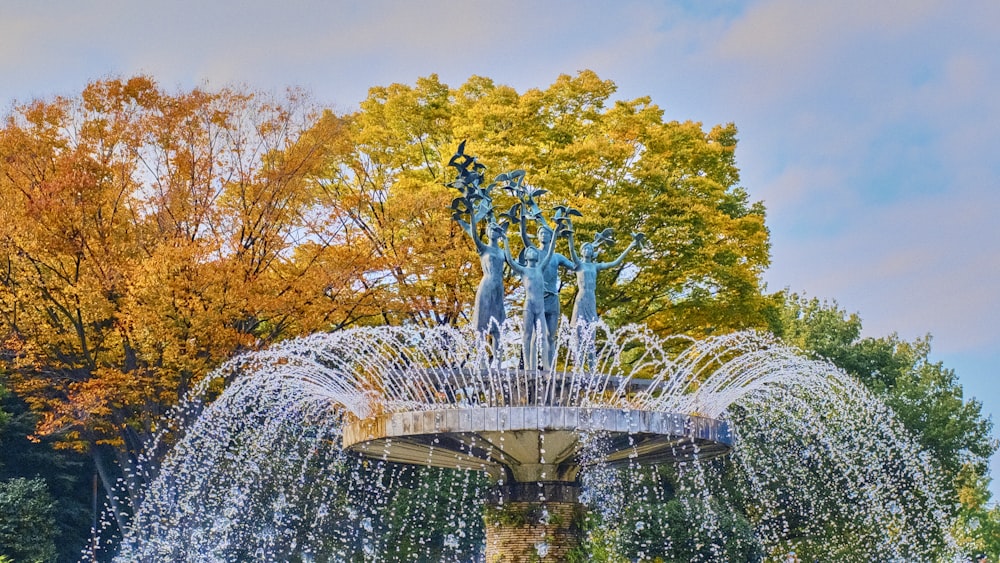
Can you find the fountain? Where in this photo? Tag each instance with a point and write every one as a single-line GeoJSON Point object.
{"type": "Point", "coordinates": [523, 429]}
{"type": "Point", "coordinates": [522, 426]}
{"type": "Point", "coordinates": [527, 430]}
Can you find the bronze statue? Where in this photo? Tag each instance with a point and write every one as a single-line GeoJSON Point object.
{"type": "Point", "coordinates": [532, 274]}
{"type": "Point", "coordinates": [551, 275]}
{"type": "Point", "coordinates": [585, 307]}
{"type": "Point", "coordinates": [539, 269]}
{"type": "Point", "coordinates": [476, 202]}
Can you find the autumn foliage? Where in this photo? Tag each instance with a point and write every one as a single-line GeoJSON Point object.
{"type": "Point", "coordinates": [147, 236]}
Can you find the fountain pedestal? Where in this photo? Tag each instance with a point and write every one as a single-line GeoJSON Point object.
{"type": "Point", "coordinates": [535, 521]}
{"type": "Point", "coordinates": [535, 453]}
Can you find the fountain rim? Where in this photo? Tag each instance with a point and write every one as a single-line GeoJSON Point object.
{"type": "Point", "coordinates": [580, 418]}
{"type": "Point", "coordinates": [473, 437]}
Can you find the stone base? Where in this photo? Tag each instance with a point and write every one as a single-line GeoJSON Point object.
{"type": "Point", "coordinates": [535, 443]}
{"type": "Point", "coordinates": [533, 522]}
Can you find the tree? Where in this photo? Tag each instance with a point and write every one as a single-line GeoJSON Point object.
{"type": "Point", "coordinates": [925, 396]}
{"type": "Point", "coordinates": [64, 473]}
{"type": "Point", "coordinates": [27, 520]}
{"type": "Point", "coordinates": [146, 237]}
{"type": "Point", "coordinates": [619, 163]}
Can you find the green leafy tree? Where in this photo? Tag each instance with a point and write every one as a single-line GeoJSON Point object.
{"type": "Point", "coordinates": [978, 525]}
{"type": "Point", "coordinates": [27, 520]}
{"type": "Point", "coordinates": [925, 396]}
{"type": "Point", "coordinates": [66, 474]}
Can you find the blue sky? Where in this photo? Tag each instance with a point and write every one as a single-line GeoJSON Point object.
{"type": "Point", "coordinates": [871, 130]}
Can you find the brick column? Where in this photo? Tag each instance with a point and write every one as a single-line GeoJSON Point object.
{"type": "Point", "coordinates": [533, 522]}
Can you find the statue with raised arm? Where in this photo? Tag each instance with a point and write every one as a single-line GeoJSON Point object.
{"type": "Point", "coordinates": [525, 210]}
{"type": "Point", "coordinates": [585, 307]}
{"type": "Point", "coordinates": [488, 314]}
{"type": "Point", "coordinates": [477, 204]}
{"type": "Point", "coordinates": [532, 274]}
{"type": "Point", "coordinates": [551, 275]}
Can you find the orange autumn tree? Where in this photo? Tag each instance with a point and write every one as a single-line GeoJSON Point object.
{"type": "Point", "coordinates": [148, 236]}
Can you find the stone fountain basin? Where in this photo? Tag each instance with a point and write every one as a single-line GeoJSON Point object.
{"type": "Point", "coordinates": [536, 443]}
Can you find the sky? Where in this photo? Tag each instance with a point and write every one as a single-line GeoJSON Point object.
{"type": "Point", "coordinates": [870, 130]}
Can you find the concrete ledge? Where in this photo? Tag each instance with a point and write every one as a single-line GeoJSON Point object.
{"type": "Point", "coordinates": [536, 443]}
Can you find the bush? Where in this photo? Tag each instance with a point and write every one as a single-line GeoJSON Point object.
{"type": "Point", "coordinates": [27, 521]}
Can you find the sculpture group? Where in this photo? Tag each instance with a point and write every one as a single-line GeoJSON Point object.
{"type": "Point", "coordinates": [537, 264]}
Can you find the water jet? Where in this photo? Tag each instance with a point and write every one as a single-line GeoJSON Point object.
{"type": "Point", "coordinates": [301, 457]}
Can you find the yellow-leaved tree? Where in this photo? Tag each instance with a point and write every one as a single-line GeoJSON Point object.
{"type": "Point", "coordinates": [618, 162]}
{"type": "Point", "coordinates": [147, 236]}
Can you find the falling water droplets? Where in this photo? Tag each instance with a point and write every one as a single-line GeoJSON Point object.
{"type": "Point", "coordinates": [260, 475]}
